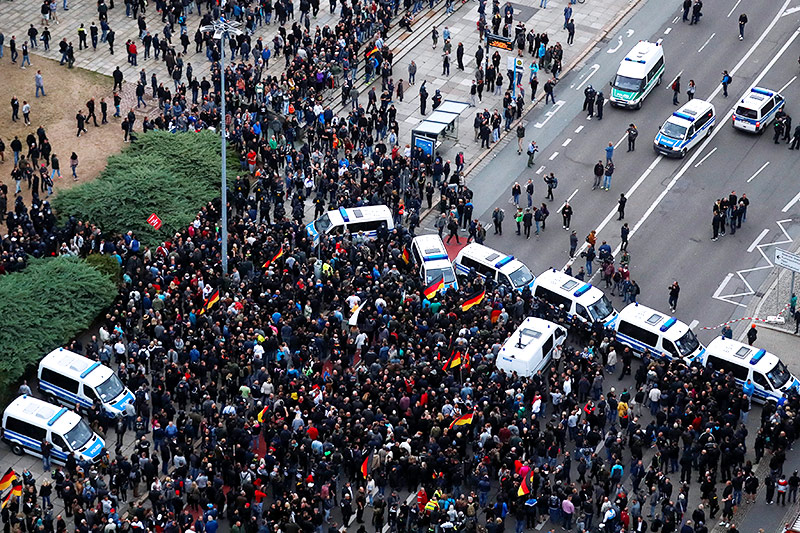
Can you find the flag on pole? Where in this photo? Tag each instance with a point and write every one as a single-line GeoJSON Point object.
{"type": "Point", "coordinates": [6, 499]}
{"type": "Point", "coordinates": [7, 479]}
{"type": "Point", "coordinates": [495, 316]}
{"type": "Point", "coordinates": [406, 255]}
{"type": "Point", "coordinates": [263, 414]}
{"type": "Point", "coordinates": [463, 420]}
{"type": "Point", "coordinates": [366, 466]}
{"type": "Point", "coordinates": [209, 302]}
{"type": "Point", "coordinates": [524, 486]}
{"type": "Point", "coordinates": [473, 300]}
{"type": "Point", "coordinates": [16, 490]}
{"type": "Point", "coordinates": [277, 256]}
{"type": "Point", "coordinates": [437, 285]}
{"type": "Point", "coordinates": [453, 361]}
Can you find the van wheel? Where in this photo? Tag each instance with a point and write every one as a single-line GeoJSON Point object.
{"type": "Point", "coordinates": [683, 152]}
{"type": "Point", "coordinates": [639, 105]}
{"type": "Point", "coordinates": [710, 129]}
{"type": "Point", "coordinates": [17, 449]}
{"type": "Point", "coordinates": [658, 82]}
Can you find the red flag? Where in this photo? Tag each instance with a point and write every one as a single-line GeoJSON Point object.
{"type": "Point", "coordinates": [154, 221]}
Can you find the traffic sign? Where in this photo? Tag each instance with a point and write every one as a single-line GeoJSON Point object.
{"type": "Point", "coordinates": [787, 260]}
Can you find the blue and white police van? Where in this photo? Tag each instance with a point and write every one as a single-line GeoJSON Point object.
{"type": "Point", "coordinates": [365, 220]}
{"type": "Point", "coordinates": [580, 300]}
{"type": "Point", "coordinates": [488, 263]}
{"type": "Point", "coordinates": [429, 253]}
{"type": "Point", "coordinates": [641, 328]}
{"type": "Point", "coordinates": [685, 128]}
{"type": "Point", "coordinates": [757, 109]}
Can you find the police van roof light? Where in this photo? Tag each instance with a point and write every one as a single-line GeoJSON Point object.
{"type": "Point", "coordinates": [642, 61]}
{"type": "Point", "coordinates": [506, 260]}
{"type": "Point", "coordinates": [684, 116]}
{"type": "Point", "coordinates": [761, 91]}
{"type": "Point", "coordinates": [89, 370]}
{"type": "Point", "coordinates": [436, 257]}
{"type": "Point", "coordinates": [343, 212]}
{"type": "Point", "coordinates": [668, 324]}
{"type": "Point", "coordinates": [56, 416]}
{"type": "Point", "coordinates": [758, 356]}
{"type": "Point", "coordinates": [582, 290]}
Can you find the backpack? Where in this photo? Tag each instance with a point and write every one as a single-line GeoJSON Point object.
{"type": "Point", "coordinates": [555, 183]}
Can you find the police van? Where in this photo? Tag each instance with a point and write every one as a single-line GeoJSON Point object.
{"type": "Point", "coordinates": [641, 328]}
{"type": "Point", "coordinates": [429, 253]}
{"type": "Point", "coordinates": [757, 109]}
{"type": "Point", "coordinates": [580, 300]}
{"type": "Point", "coordinates": [769, 375]}
{"type": "Point", "coordinates": [72, 379]}
{"type": "Point", "coordinates": [530, 348]}
{"type": "Point", "coordinates": [28, 421]}
{"type": "Point", "coordinates": [367, 219]}
{"type": "Point", "coordinates": [488, 263]}
{"type": "Point", "coordinates": [638, 73]}
{"type": "Point", "coordinates": [685, 128]}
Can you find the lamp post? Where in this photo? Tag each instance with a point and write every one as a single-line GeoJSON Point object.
{"type": "Point", "coordinates": [222, 28]}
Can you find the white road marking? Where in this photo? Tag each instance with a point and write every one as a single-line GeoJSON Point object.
{"type": "Point", "coordinates": [791, 203]}
{"type": "Point", "coordinates": [758, 240]}
{"type": "Point", "coordinates": [709, 154]}
{"type": "Point", "coordinates": [628, 33]}
{"type": "Point", "coordinates": [666, 32]}
{"type": "Point", "coordinates": [673, 80]}
{"type": "Point", "coordinates": [578, 129]}
{"type": "Point", "coordinates": [718, 293]}
{"type": "Point", "coordinates": [734, 7]}
{"type": "Point", "coordinates": [555, 154]}
{"type": "Point", "coordinates": [787, 84]}
{"type": "Point", "coordinates": [550, 114]}
{"type": "Point", "coordinates": [620, 141]}
{"type": "Point", "coordinates": [758, 172]}
{"type": "Point", "coordinates": [541, 168]}
{"type": "Point", "coordinates": [571, 196]}
{"type": "Point", "coordinates": [592, 70]}
{"type": "Point", "coordinates": [706, 43]}
{"type": "Point", "coordinates": [619, 45]}
{"type": "Point", "coordinates": [676, 19]}
{"type": "Point", "coordinates": [693, 324]}
{"type": "Point", "coordinates": [565, 143]}
{"type": "Point", "coordinates": [790, 11]}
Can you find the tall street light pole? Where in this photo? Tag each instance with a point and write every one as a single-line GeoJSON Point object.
{"type": "Point", "coordinates": [222, 28]}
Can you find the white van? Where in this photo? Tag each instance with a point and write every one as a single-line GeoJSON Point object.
{"type": "Point", "coordinates": [366, 219]}
{"type": "Point", "coordinates": [530, 347]}
{"type": "Point", "coordinates": [489, 263]}
{"type": "Point", "coordinates": [768, 373]}
{"type": "Point", "coordinates": [641, 328]}
{"type": "Point", "coordinates": [72, 379]}
{"type": "Point", "coordinates": [28, 421]}
{"type": "Point", "coordinates": [757, 109]}
{"type": "Point", "coordinates": [637, 75]}
{"type": "Point", "coordinates": [685, 128]}
{"type": "Point", "coordinates": [581, 300]}
{"type": "Point", "coordinates": [429, 253]}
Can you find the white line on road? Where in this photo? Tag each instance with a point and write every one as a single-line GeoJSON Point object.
{"type": "Point", "coordinates": [565, 143]}
{"type": "Point", "coordinates": [594, 68]}
{"type": "Point", "coordinates": [675, 19]}
{"type": "Point", "coordinates": [734, 7]}
{"type": "Point", "coordinates": [555, 154]}
{"type": "Point", "coordinates": [550, 114]}
{"type": "Point", "coordinates": [666, 32]}
{"type": "Point", "coordinates": [790, 11]}
{"type": "Point", "coordinates": [758, 172]}
{"type": "Point", "coordinates": [541, 168]}
{"type": "Point", "coordinates": [620, 141]}
{"type": "Point", "coordinates": [706, 157]}
{"type": "Point", "coordinates": [706, 43]}
{"type": "Point", "coordinates": [673, 79]}
{"type": "Point", "coordinates": [571, 196]}
{"type": "Point", "coordinates": [791, 203]}
{"type": "Point", "coordinates": [693, 324]}
{"type": "Point", "coordinates": [619, 45]}
{"type": "Point", "coordinates": [758, 240]}
{"type": "Point", "coordinates": [579, 129]}
{"type": "Point", "coordinates": [787, 84]}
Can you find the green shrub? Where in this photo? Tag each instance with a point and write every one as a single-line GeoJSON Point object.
{"type": "Point", "coordinates": [171, 175]}
{"type": "Point", "coordinates": [43, 307]}
{"type": "Point", "coordinates": [107, 265]}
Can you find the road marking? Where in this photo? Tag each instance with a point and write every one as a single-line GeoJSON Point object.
{"type": "Point", "coordinates": [565, 143]}
{"type": "Point", "coordinates": [628, 33]}
{"type": "Point", "coordinates": [620, 141]}
{"type": "Point", "coordinates": [673, 80]}
{"type": "Point", "coordinates": [718, 293]}
{"type": "Point", "coordinates": [555, 154]}
{"type": "Point", "coordinates": [706, 43]}
{"type": "Point", "coordinates": [758, 172]}
{"type": "Point", "coordinates": [619, 45]}
{"type": "Point", "coordinates": [693, 324]}
{"type": "Point", "coordinates": [791, 203]}
{"type": "Point", "coordinates": [709, 154]}
{"type": "Point", "coordinates": [787, 84]}
{"type": "Point", "coordinates": [578, 129]}
{"type": "Point", "coordinates": [758, 240]}
{"type": "Point", "coordinates": [571, 196]}
{"type": "Point", "coordinates": [666, 32]}
{"type": "Point", "coordinates": [540, 169]}
{"type": "Point", "coordinates": [790, 11]}
{"type": "Point", "coordinates": [592, 70]}
{"type": "Point", "coordinates": [734, 7]}
{"type": "Point", "coordinates": [550, 114]}
{"type": "Point", "coordinates": [676, 19]}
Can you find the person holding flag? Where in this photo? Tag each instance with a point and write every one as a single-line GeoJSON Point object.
{"type": "Point", "coordinates": [434, 287]}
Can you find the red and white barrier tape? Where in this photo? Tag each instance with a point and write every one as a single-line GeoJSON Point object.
{"type": "Point", "coordinates": [750, 318]}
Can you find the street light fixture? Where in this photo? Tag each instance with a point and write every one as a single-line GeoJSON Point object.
{"type": "Point", "coordinates": [222, 28]}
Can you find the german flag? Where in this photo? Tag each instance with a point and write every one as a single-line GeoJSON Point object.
{"type": "Point", "coordinates": [495, 315]}
{"type": "Point", "coordinates": [6, 499]}
{"type": "Point", "coordinates": [437, 285]}
{"type": "Point", "coordinates": [16, 490]}
{"type": "Point", "coordinates": [366, 466]}
{"type": "Point", "coordinates": [210, 301]}
{"type": "Point", "coordinates": [473, 300]}
{"type": "Point", "coordinates": [270, 261]}
{"type": "Point", "coordinates": [263, 414]}
{"type": "Point", "coordinates": [453, 361]}
{"type": "Point", "coordinates": [406, 255]}
{"type": "Point", "coordinates": [524, 486]}
{"type": "Point", "coordinates": [7, 479]}
{"type": "Point", "coordinates": [463, 420]}
{"type": "Point", "coordinates": [374, 49]}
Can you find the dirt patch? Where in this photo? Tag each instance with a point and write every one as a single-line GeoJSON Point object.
{"type": "Point", "coordinates": [67, 91]}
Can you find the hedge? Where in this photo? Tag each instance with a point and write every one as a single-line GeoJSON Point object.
{"type": "Point", "coordinates": [46, 306]}
{"type": "Point", "coordinates": [171, 175]}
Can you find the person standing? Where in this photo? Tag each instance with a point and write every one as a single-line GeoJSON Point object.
{"type": "Point", "coordinates": [608, 173]}
{"type": "Point", "coordinates": [527, 222]}
{"type": "Point", "coordinates": [26, 112]}
{"type": "Point", "coordinates": [497, 219]}
{"type": "Point", "coordinates": [752, 334]}
{"type": "Point", "coordinates": [573, 243]}
{"type": "Point", "coordinates": [598, 104]}
{"type": "Point", "coordinates": [435, 37]}
{"type": "Point", "coordinates": [609, 152]}
{"type": "Point", "coordinates": [690, 90]}
{"type": "Point", "coordinates": [39, 81]}
{"type": "Point", "coordinates": [520, 137]}
{"type": "Point", "coordinates": [795, 139]}
{"type": "Point", "coordinates": [726, 80]}
{"type": "Point", "coordinates": [566, 215]}
{"type": "Point", "coordinates": [412, 72]}
{"type": "Point", "coordinates": [423, 98]}
{"type": "Point", "coordinates": [571, 32]}
{"type": "Point", "coordinates": [552, 183]}
{"type": "Point", "coordinates": [621, 205]}
{"type": "Point", "coordinates": [676, 90]}
{"type": "Point", "coordinates": [26, 58]}
{"type": "Point", "coordinates": [623, 234]}
{"type": "Point", "coordinates": [548, 91]}
{"type": "Point", "coordinates": [742, 22]}
{"type": "Point", "coordinates": [529, 192]}
{"type": "Point", "coordinates": [82, 38]}
{"type": "Point", "coordinates": [90, 106]}
{"type": "Point", "coordinates": [117, 75]}
{"type": "Point", "coordinates": [81, 120]}
{"type": "Point", "coordinates": [73, 164]}
{"type": "Point", "coordinates": [633, 132]}
{"type": "Point", "coordinates": [674, 292]}
{"type": "Point", "coordinates": [532, 149]}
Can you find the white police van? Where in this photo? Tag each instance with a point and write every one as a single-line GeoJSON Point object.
{"type": "Point", "coordinates": [685, 128]}
{"type": "Point", "coordinates": [489, 263]}
{"type": "Point", "coordinates": [580, 300]}
{"type": "Point", "coordinates": [530, 348]}
{"type": "Point", "coordinates": [367, 219]}
{"type": "Point", "coordinates": [28, 421]}
{"type": "Point", "coordinates": [72, 379]}
{"type": "Point", "coordinates": [757, 109]}
{"type": "Point", "coordinates": [640, 328]}
{"type": "Point", "coordinates": [638, 73]}
{"type": "Point", "coordinates": [769, 375]}
{"type": "Point", "coordinates": [429, 253]}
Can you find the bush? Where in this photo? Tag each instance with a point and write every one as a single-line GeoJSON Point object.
{"type": "Point", "coordinates": [106, 265]}
{"type": "Point", "coordinates": [46, 306]}
{"type": "Point", "coordinates": [171, 175]}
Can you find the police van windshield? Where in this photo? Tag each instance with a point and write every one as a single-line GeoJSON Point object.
{"type": "Point", "coordinates": [624, 83]}
{"type": "Point", "coordinates": [688, 343]}
{"type": "Point", "coordinates": [432, 274]}
{"type": "Point", "coordinates": [601, 308]}
{"type": "Point", "coordinates": [323, 223]}
{"type": "Point", "coordinates": [78, 436]}
{"type": "Point", "coordinates": [110, 388]}
{"type": "Point", "coordinates": [779, 375]}
{"type": "Point", "coordinates": [675, 131]}
{"type": "Point", "coordinates": [746, 112]}
{"type": "Point", "coordinates": [521, 276]}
